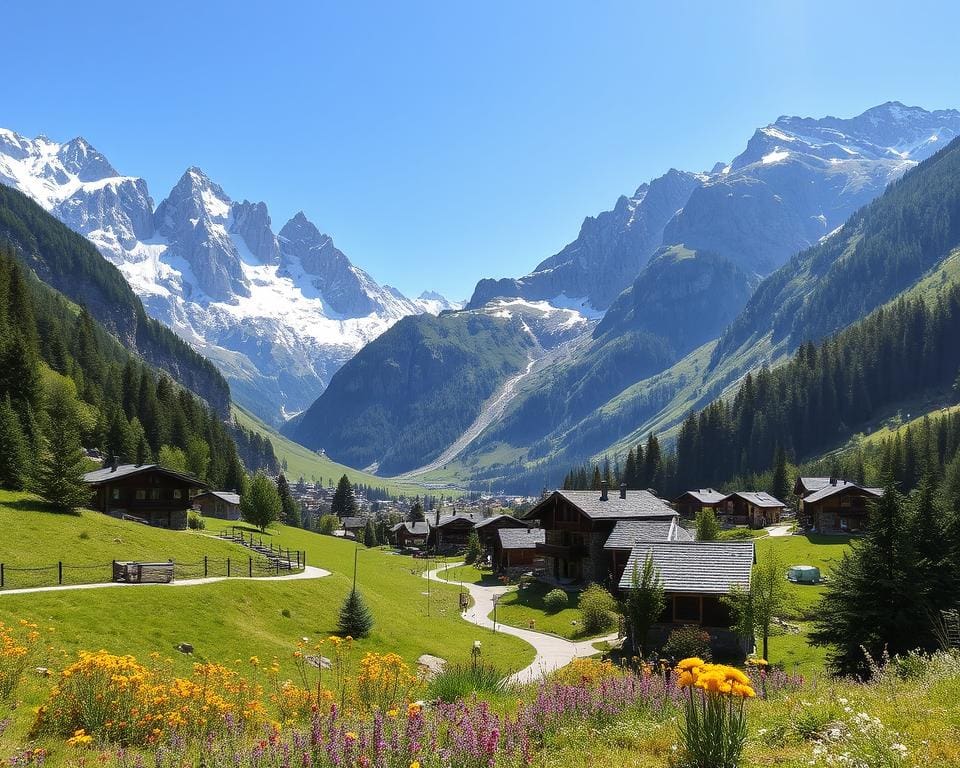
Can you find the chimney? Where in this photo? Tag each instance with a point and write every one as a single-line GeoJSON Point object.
{"type": "Point", "coordinates": [603, 490]}
{"type": "Point", "coordinates": [437, 519]}
{"type": "Point", "coordinates": [623, 490]}
{"type": "Point", "coordinates": [833, 480]}
{"type": "Point", "coordinates": [114, 464]}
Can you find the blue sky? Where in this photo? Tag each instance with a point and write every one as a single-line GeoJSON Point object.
{"type": "Point", "coordinates": [439, 143]}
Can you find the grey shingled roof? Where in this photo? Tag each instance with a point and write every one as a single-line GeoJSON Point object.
{"type": "Point", "coordinates": [814, 483]}
{"type": "Point", "coordinates": [494, 518]}
{"type": "Point", "coordinates": [700, 567]}
{"type": "Point", "coordinates": [353, 522]}
{"type": "Point", "coordinates": [521, 538]}
{"type": "Point", "coordinates": [227, 496]}
{"type": "Point", "coordinates": [108, 474]}
{"type": "Point", "coordinates": [759, 499]}
{"type": "Point", "coordinates": [842, 485]}
{"type": "Point", "coordinates": [626, 533]}
{"type": "Point", "coordinates": [638, 504]}
{"type": "Point", "coordinates": [415, 529]}
{"type": "Point", "coordinates": [705, 495]}
{"type": "Point", "coordinates": [472, 517]}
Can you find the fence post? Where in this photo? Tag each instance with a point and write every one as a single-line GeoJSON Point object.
{"type": "Point", "coordinates": [228, 566]}
{"type": "Point", "coordinates": [204, 566]}
{"type": "Point", "coordinates": [288, 559]}
{"type": "Point", "coordinates": [277, 561]}
{"type": "Point", "coordinates": [250, 566]}
{"type": "Point", "coordinates": [1, 575]}
{"type": "Point", "coordinates": [59, 572]}
{"type": "Point", "coordinates": [298, 559]}
{"type": "Point", "coordinates": [304, 558]}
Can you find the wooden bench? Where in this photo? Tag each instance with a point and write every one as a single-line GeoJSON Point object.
{"type": "Point", "coordinates": [143, 573]}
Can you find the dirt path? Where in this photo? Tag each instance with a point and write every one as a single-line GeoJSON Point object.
{"type": "Point", "coordinates": [552, 652]}
{"type": "Point", "coordinates": [309, 572]}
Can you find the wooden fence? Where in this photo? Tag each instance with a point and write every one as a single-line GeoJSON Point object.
{"type": "Point", "coordinates": [63, 574]}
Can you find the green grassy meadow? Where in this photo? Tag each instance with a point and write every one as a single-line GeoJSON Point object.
{"type": "Point", "coordinates": [233, 619]}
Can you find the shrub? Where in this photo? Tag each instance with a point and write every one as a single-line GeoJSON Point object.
{"type": "Point", "coordinates": [688, 641]}
{"type": "Point", "coordinates": [460, 681]}
{"type": "Point", "coordinates": [84, 535]}
{"type": "Point", "coordinates": [708, 529]}
{"type": "Point", "coordinates": [597, 608]}
{"type": "Point", "coordinates": [328, 524]}
{"type": "Point", "coordinates": [736, 534]}
{"type": "Point", "coordinates": [195, 521]}
{"type": "Point", "coordinates": [555, 600]}
{"type": "Point", "coordinates": [586, 672]}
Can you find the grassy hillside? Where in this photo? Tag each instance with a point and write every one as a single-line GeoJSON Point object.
{"type": "Point", "coordinates": [88, 543]}
{"type": "Point", "coordinates": [302, 462]}
{"type": "Point", "coordinates": [235, 619]}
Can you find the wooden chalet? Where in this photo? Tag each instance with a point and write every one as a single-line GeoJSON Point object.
{"type": "Point", "coordinates": [487, 529]}
{"type": "Point", "coordinates": [628, 534]}
{"type": "Point", "coordinates": [148, 493]}
{"type": "Point", "coordinates": [515, 549]}
{"type": "Point", "coordinates": [450, 533]}
{"type": "Point", "coordinates": [753, 508]}
{"type": "Point", "coordinates": [830, 505]}
{"type": "Point", "coordinates": [353, 526]}
{"type": "Point", "coordinates": [407, 534]}
{"type": "Point", "coordinates": [220, 504]}
{"type": "Point", "coordinates": [695, 576]}
{"type": "Point", "coordinates": [690, 503]}
{"type": "Point", "coordinates": [577, 525]}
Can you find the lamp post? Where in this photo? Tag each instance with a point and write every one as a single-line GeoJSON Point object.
{"type": "Point", "coordinates": [496, 602]}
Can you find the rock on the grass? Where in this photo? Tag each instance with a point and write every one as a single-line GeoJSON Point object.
{"type": "Point", "coordinates": [431, 666]}
{"type": "Point", "coordinates": [319, 662]}
{"type": "Point", "coordinates": [185, 648]}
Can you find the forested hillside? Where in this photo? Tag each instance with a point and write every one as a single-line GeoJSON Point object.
{"type": "Point", "coordinates": [66, 382]}
{"type": "Point", "coordinates": [70, 264]}
{"type": "Point", "coordinates": [413, 391]}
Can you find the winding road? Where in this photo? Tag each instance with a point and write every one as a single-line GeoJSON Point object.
{"type": "Point", "coordinates": [552, 652]}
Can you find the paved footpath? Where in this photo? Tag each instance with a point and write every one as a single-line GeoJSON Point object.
{"type": "Point", "coordinates": [552, 652]}
{"type": "Point", "coordinates": [779, 530]}
{"type": "Point", "coordinates": [309, 572]}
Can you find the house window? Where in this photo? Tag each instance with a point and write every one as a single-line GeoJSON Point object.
{"type": "Point", "coordinates": [141, 494]}
{"type": "Point", "coordinates": [176, 493]}
{"type": "Point", "coordinates": [154, 494]}
{"type": "Point", "coordinates": [686, 608]}
{"type": "Point", "coordinates": [115, 493]}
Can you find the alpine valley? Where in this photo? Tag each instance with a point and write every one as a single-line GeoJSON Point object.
{"type": "Point", "coordinates": [659, 306]}
{"type": "Point", "coordinates": [277, 312]}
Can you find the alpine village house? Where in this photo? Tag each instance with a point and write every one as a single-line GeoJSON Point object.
{"type": "Point", "coordinates": [599, 537]}
{"type": "Point", "coordinates": [147, 493]}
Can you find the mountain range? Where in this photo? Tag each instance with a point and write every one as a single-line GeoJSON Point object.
{"type": "Point", "coordinates": [277, 312]}
{"type": "Point", "coordinates": [659, 279]}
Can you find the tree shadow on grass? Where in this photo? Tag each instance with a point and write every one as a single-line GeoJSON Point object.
{"type": "Point", "coordinates": [39, 505]}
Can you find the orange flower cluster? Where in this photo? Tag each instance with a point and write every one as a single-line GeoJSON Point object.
{"type": "Point", "coordinates": [123, 701]}
{"type": "Point", "coordinates": [714, 678]}
{"type": "Point", "coordinates": [15, 647]}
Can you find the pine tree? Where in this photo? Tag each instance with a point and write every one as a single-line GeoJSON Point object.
{"type": "Point", "coordinates": [355, 620]}
{"type": "Point", "coordinates": [289, 510]}
{"type": "Point", "coordinates": [344, 503]}
{"type": "Point", "coordinates": [416, 512]}
{"type": "Point", "coordinates": [14, 449]}
{"type": "Point", "coordinates": [870, 603]}
{"type": "Point", "coordinates": [780, 485]}
{"type": "Point", "coordinates": [370, 534]}
{"type": "Point", "coordinates": [59, 473]}
{"type": "Point", "coordinates": [653, 463]}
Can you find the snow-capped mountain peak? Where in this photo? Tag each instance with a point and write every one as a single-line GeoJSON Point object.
{"type": "Point", "coordinates": [279, 313]}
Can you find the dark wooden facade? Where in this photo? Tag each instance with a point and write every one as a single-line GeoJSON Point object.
{"type": "Point", "coordinates": [410, 534]}
{"type": "Point", "coordinates": [152, 494]}
{"type": "Point", "coordinates": [452, 534]}
{"type": "Point", "coordinates": [845, 511]}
